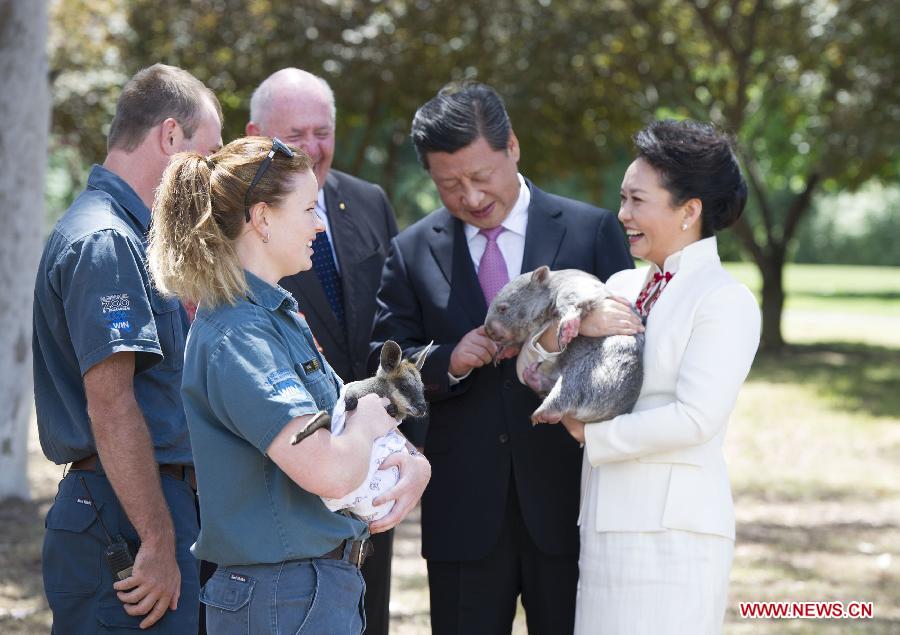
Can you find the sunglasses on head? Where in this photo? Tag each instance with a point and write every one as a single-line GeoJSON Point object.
{"type": "Point", "coordinates": [277, 146]}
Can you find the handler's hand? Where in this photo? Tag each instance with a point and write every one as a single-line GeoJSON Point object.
{"type": "Point", "coordinates": [613, 317]}
{"type": "Point", "coordinates": [415, 472]}
{"type": "Point", "coordinates": [474, 350]}
{"type": "Point", "coordinates": [154, 584]}
{"type": "Point", "coordinates": [370, 412]}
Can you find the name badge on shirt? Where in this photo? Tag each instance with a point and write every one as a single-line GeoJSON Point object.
{"type": "Point", "coordinates": [311, 366]}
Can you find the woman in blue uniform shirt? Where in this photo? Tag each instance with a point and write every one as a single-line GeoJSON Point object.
{"type": "Point", "coordinates": [225, 230]}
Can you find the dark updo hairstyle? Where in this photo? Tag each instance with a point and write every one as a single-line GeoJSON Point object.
{"type": "Point", "coordinates": [695, 160]}
{"type": "Point", "coordinates": [455, 117]}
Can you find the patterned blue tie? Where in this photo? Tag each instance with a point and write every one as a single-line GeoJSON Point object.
{"type": "Point", "coordinates": [323, 263]}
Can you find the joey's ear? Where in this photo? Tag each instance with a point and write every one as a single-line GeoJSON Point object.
{"type": "Point", "coordinates": [390, 356]}
{"type": "Point", "coordinates": [420, 358]}
{"type": "Point", "coordinates": [541, 275]}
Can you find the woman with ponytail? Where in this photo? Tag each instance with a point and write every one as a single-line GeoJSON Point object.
{"type": "Point", "coordinates": [225, 229]}
{"type": "Point", "coordinates": [657, 520]}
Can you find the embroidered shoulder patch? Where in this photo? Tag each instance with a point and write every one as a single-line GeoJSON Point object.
{"type": "Point", "coordinates": [284, 381]}
{"type": "Point", "coordinates": [118, 302]}
{"type": "Point", "coordinates": [115, 309]}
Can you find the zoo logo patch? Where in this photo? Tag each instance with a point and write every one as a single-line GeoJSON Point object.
{"type": "Point", "coordinates": [284, 381]}
{"type": "Point", "coordinates": [115, 309]}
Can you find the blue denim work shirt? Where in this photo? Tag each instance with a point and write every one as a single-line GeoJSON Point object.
{"type": "Point", "coordinates": [250, 368]}
{"type": "Point", "coordinates": [93, 298]}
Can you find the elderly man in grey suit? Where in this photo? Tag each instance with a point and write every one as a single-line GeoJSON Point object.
{"type": "Point", "coordinates": [338, 295]}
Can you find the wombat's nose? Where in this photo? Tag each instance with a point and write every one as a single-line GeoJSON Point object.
{"type": "Point", "coordinates": [494, 330]}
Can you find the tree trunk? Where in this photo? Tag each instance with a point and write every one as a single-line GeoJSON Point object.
{"type": "Point", "coordinates": [24, 111]}
{"type": "Point", "coordinates": [772, 269]}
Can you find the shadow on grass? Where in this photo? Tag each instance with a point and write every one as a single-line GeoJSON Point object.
{"type": "Point", "coordinates": [834, 538]}
{"type": "Point", "coordinates": [856, 377]}
{"type": "Point", "coordinates": [806, 491]}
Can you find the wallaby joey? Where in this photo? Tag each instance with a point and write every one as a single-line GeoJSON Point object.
{"type": "Point", "coordinates": [397, 379]}
{"type": "Point", "coordinates": [594, 378]}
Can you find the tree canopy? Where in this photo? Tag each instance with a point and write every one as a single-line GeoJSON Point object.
{"type": "Point", "coordinates": [808, 88]}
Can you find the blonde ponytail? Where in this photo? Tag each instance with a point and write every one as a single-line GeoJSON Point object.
{"type": "Point", "coordinates": [198, 214]}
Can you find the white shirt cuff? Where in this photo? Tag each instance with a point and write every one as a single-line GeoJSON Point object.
{"type": "Point", "coordinates": [456, 380]}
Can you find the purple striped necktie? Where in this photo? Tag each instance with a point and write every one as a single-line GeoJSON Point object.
{"type": "Point", "coordinates": [492, 271]}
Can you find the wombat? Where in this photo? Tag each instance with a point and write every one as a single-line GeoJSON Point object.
{"type": "Point", "coordinates": [397, 379]}
{"type": "Point", "coordinates": [594, 379]}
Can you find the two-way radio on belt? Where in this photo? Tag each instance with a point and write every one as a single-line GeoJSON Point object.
{"type": "Point", "coordinates": [118, 554]}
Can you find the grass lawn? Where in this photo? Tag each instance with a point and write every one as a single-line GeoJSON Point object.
{"type": "Point", "coordinates": [814, 456]}
{"type": "Point", "coordinates": [836, 303]}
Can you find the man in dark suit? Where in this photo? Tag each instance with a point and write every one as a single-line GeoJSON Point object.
{"type": "Point", "coordinates": [499, 517]}
{"type": "Point", "coordinates": [338, 295]}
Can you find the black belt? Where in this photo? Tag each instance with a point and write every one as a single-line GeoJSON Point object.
{"type": "Point", "coordinates": [356, 555]}
{"type": "Point", "coordinates": [181, 472]}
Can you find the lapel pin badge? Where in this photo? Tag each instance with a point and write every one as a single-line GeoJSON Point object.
{"type": "Point", "coordinates": [342, 206]}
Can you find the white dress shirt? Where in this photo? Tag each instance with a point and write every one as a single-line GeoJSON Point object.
{"type": "Point", "coordinates": [511, 242]}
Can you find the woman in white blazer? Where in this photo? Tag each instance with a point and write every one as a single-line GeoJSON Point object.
{"type": "Point", "coordinates": [657, 521]}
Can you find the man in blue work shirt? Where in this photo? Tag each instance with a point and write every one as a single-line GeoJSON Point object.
{"type": "Point", "coordinates": [108, 354]}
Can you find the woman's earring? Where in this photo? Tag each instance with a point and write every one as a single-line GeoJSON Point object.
{"type": "Point", "coordinates": [684, 227]}
{"type": "Point", "coordinates": [266, 237]}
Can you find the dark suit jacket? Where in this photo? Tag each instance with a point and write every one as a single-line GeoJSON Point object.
{"type": "Point", "coordinates": [480, 435]}
{"type": "Point", "coordinates": [362, 225]}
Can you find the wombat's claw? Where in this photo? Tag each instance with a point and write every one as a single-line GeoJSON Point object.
{"type": "Point", "coordinates": [568, 329]}
{"type": "Point", "coordinates": [350, 403]}
{"type": "Point", "coordinates": [320, 420]}
{"type": "Point", "coordinates": [499, 351]}
{"type": "Point", "coordinates": [545, 416]}
{"type": "Point", "coordinates": [392, 409]}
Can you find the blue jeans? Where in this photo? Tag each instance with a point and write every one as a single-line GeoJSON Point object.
{"type": "Point", "coordinates": [317, 596]}
{"type": "Point", "coordinates": [77, 580]}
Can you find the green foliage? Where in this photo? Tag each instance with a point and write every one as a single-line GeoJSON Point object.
{"type": "Point", "coordinates": [809, 88]}
{"type": "Point", "coordinates": [861, 228]}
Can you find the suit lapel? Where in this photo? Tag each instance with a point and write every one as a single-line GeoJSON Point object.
{"type": "Point", "coordinates": [545, 231]}
{"type": "Point", "coordinates": [350, 243]}
{"type": "Point", "coordinates": [450, 249]}
{"type": "Point", "coordinates": [357, 250]}
{"type": "Point", "coordinates": [312, 298]}
{"type": "Point", "coordinates": [344, 248]}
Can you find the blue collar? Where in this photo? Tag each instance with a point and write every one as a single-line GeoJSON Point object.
{"type": "Point", "coordinates": [114, 185]}
{"type": "Point", "coordinates": [267, 296]}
